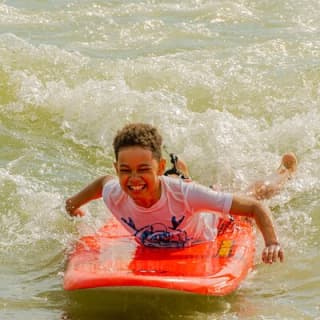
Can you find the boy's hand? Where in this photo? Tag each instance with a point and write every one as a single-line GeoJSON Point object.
{"type": "Point", "coordinates": [91, 192]}
{"type": "Point", "coordinates": [272, 253]}
{"type": "Point", "coordinates": [73, 210]}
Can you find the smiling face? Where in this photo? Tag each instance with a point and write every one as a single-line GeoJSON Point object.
{"type": "Point", "coordinates": [138, 173]}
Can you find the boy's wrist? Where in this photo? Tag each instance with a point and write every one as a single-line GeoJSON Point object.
{"type": "Point", "coordinates": [272, 243]}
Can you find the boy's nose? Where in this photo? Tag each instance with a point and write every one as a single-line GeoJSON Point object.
{"type": "Point", "coordinates": [134, 174]}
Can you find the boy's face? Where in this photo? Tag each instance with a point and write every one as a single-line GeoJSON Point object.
{"type": "Point", "coordinates": [139, 173]}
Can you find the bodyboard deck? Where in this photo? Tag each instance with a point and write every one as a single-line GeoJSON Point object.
{"type": "Point", "coordinates": [111, 258]}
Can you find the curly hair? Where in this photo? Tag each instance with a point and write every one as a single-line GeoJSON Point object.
{"type": "Point", "coordinates": [138, 134]}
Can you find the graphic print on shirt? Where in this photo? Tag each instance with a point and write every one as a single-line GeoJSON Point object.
{"type": "Point", "coordinates": [159, 235]}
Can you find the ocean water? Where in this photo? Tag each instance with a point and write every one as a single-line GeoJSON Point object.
{"type": "Point", "coordinates": [231, 85]}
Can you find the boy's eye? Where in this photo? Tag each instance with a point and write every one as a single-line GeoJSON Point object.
{"type": "Point", "coordinates": [128, 171]}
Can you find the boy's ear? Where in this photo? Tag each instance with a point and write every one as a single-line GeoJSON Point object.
{"type": "Point", "coordinates": [115, 165]}
{"type": "Point", "coordinates": [162, 166]}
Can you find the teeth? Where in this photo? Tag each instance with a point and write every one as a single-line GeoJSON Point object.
{"type": "Point", "coordinates": [136, 188]}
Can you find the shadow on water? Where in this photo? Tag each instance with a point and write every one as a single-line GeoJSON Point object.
{"type": "Point", "coordinates": [140, 304]}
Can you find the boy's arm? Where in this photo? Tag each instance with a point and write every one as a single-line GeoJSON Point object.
{"type": "Point", "coordinates": [245, 206]}
{"type": "Point", "coordinates": [91, 192]}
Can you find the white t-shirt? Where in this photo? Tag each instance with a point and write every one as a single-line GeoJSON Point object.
{"type": "Point", "coordinates": [180, 217]}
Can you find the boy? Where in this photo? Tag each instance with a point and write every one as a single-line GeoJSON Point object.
{"type": "Point", "coordinates": [161, 210]}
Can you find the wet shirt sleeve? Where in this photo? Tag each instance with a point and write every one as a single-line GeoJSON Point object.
{"type": "Point", "coordinates": [201, 198]}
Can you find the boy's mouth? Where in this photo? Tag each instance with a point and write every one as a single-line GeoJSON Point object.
{"type": "Point", "coordinates": [137, 188]}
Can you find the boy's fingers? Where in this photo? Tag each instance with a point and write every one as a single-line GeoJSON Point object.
{"type": "Point", "coordinates": [72, 210]}
{"type": "Point", "coordinates": [272, 253]}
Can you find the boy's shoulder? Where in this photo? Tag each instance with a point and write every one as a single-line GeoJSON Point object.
{"type": "Point", "coordinates": [175, 184]}
{"type": "Point", "coordinates": [111, 185]}
{"type": "Point", "coordinates": [107, 179]}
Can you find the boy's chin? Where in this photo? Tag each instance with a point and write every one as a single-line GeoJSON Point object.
{"type": "Point", "coordinates": [136, 195]}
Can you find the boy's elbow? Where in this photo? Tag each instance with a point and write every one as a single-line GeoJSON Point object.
{"type": "Point", "coordinates": [258, 209]}
{"type": "Point", "coordinates": [245, 206]}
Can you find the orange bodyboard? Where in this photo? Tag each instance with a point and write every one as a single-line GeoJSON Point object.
{"type": "Point", "coordinates": [112, 258]}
